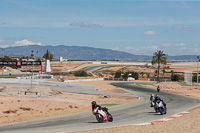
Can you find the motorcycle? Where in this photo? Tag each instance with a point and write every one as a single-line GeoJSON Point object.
{"type": "Point", "coordinates": [152, 104]}
{"type": "Point", "coordinates": [103, 115]}
{"type": "Point", "coordinates": [159, 107]}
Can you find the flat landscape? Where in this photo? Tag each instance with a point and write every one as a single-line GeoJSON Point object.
{"type": "Point", "coordinates": [17, 107]}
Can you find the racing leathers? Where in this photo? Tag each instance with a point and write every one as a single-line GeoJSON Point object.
{"type": "Point", "coordinates": [98, 109]}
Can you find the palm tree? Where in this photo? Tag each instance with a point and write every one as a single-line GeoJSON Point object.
{"type": "Point", "coordinates": [163, 72]}
{"type": "Point", "coordinates": [158, 58]}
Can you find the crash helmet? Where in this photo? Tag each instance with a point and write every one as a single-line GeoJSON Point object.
{"type": "Point", "coordinates": [152, 95]}
{"type": "Point", "coordinates": [93, 103]}
{"type": "Point", "coordinates": [156, 95]}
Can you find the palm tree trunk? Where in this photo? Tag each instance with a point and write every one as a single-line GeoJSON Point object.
{"type": "Point", "coordinates": [158, 72]}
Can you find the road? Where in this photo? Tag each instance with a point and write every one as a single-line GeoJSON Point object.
{"type": "Point", "coordinates": [125, 114]}
{"type": "Point", "coordinates": [95, 68]}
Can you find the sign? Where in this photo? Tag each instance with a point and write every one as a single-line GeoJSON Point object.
{"type": "Point", "coordinates": [30, 63]}
{"type": "Point", "coordinates": [8, 63]}
{"type": "Point", "coordinates": [19, 63]}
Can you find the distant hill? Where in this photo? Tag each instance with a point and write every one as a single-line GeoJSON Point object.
{"type": "Point", "coordinates": [75, 52]}
{"type": "Point", "coordinates": [86, 53]}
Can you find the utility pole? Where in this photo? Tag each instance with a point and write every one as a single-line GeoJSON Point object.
{"type": "Point", "coordinates": [197, 71]}
{"type": "Point", "coordinates": [32, 55]}
{"type": "Point", "coordinates": [3, 51]}
{"type": "Point", "coordinates": [31, 89]}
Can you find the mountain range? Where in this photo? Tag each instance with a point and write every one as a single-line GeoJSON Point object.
{"type": "Point", "coordinates": [86, 53]}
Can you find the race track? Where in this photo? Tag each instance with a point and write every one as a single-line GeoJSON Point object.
{"type": "Point", "coordinates": [129, 113]}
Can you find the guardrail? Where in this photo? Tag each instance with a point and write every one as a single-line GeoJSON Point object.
{"type": "Point", "coordinates": [79, 80]}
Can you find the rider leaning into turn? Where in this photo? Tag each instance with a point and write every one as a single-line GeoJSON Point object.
{"type": "Point", "coordinates": [95, 106]}
{"type": "Point", "coordinates": [152, 97]}
{"type": "Point", "coordinates": [157, 98]}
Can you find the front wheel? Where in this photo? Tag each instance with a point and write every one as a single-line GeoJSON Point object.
{"type": "Point", "coordinates": [99, 118]}
{"type": "Point", "coordinates": [110, 118]}
{"type": "Point", "coordinates": [162, 111]}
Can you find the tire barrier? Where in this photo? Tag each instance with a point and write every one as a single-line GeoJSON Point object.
{"type": "Point", "coordinates": [115, 79]}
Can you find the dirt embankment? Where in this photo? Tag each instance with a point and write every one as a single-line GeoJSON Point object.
{"type": "Point", "coordinates": [16, 106]}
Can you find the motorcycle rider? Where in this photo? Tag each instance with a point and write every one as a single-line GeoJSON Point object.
{"type": "Point", "coordinates": [152, 99]}
{"type": "Point", "coordinates": [158, 88]}
{"type": "Point", "coordinates": [100, 112]}
{"type": "Point", "coordinates": [95, 106]}
{"type": "Point", "coordinates": [98, 109]}
{"type": "Point", "coordinates": [157, 99]}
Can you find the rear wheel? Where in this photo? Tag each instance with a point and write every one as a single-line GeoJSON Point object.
{"type": "Point", "coordinates": [156, 109]}
{"type": "Point", "coordinates": [99, 118]}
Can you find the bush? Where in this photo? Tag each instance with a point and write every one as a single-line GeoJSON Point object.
{"type": "Point", "coordinates": [81, 74]}
{"type": "Point", "coordinates": [134, 75]}
{"type": "Point", "coordinates": [125, 75]}
{"type": "Point", "coordinates": [175, 77]}
{"type": "Point", "coordinates": [194, 78]}
{"type": "Point", "coordinates": [118, 74]}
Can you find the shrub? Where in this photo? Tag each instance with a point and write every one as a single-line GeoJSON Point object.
{"type": "Point", "coordinates": [175, 77]}
{"type": "Point", "coordinates": [118, 74]}
{"type": "Point", "coordinates": [81, 74]}
{"type": "Point", "coordinates": [134, 75]}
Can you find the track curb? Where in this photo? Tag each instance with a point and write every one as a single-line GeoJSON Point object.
{"type": "Point", "coordinates": [158, 121]}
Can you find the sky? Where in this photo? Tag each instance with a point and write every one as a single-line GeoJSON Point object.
{"type": "Point", "coordinates": [139, 27]}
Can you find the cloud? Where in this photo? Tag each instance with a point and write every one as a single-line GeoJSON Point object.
{"type": "Point", "coordinates": [186, 28]}
{"type": "Point", "coordinates": [149, 50]}
{"type": "Point", "coordinates": [170, 31]}
{"type": "Point", "coordinates": [179, 44]}
{"type": "Point", "coordinates": [182, 27]}
{"type": "Point", "coordinates": [116, 48]}
{"type": "Point", "coordinates": [150, 33]}
{"type": "Point", "coordinates": [180, 49]}
{"type": "Point", "coordinates": [23, 38]}
{"type": "Point", "coordinates": [25, 42]}
{"type": "Point", "coordinates": [173, 45]}
{"type": "Point", "coordinates": [4, 44]}
{"type": "Point", "coordinates": [86, 25]}
{"type": "Point", "coordinates": [170, 49]}
{"type": "Point", "coordinates": [166, 45]}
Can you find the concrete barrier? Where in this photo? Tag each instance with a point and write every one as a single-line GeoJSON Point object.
{"type": "Point", "coordinates": [46, 83]}
{"type": "Point", "coordinates": [79, 80]}
{"type": "Point", "coordinates": [39, 76]}
{"type": "Point", "coordinates": [115, 79]}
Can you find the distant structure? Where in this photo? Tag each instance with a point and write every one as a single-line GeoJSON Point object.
{"type": "Point", "coordinates": [61, 59]}
{"type": "Point", "coordinates": [47, 62]}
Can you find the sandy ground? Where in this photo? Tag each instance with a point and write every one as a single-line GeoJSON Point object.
{"type": "Point", "coordinates": [16, 107]}
{"type": "Point", "coordinates": [192, 91]}
{"type": "Point", "coordinates": [19, 107]}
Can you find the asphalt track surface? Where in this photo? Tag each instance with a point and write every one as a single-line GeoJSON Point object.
{"type": "Point", "coordinates": [95, 68]}
{"type": "Point", "coordinates": [125, 114]}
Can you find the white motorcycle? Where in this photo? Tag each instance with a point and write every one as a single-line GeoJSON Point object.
{"type": "Point", "coordinates": [159, 107]}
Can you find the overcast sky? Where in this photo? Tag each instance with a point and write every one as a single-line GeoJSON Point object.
{"type": "Point", "coordinates": [134, 26]}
